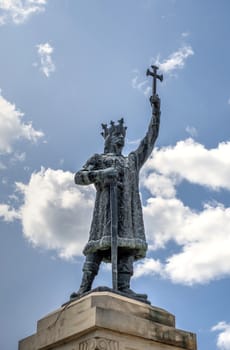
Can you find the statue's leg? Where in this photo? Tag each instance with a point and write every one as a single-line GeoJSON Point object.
{"type": "Point", "coordinates": [125, 272]}
{"type": "Point", "coordinates": [90, 270]}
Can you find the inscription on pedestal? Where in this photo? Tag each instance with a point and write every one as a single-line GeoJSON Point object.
{"type": "Point", "coordinates": [99, 344]}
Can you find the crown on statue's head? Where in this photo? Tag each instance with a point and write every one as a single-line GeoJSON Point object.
{"type": "Point", "coordinates": [114, 128]}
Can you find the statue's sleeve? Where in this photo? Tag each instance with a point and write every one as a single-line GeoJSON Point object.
{"type": "Point", "coordinates": [86, 175]}
{"type": "Point", "coordinates": [147, 143]}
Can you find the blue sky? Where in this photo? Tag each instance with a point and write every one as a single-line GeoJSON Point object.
{"type": "Point", "coordinates": [65, 67]}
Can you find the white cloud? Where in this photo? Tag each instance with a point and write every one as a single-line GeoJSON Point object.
{"type": "Point", "coordinates": [176, 60]}
{"type": "Point", "coordinates": [185, 34]}
{"type": "Point", "coordinates": [140, 83]}
{"type": "Point", "coordinates": [18, 11]}
{"type": "Point", "coordinates": [191, 130]}
{"type": "Point", "coordinates": [202, 236]}
{"type": "Point", "coordinates": [159, 185]}
{"type": "Point", "coordinates": [191, 161]}
{"type": "Point", "coordinates": [229, 101]}
{"type": "Point", "coordinates": [148, 267]}
{"type": "Point", "coordinates": [12, 128]}
{"type": "Point", "coordinates": [8, 214]}
{"type": "Point", "coordinates": [46, 63]}
{"type": "Point", "coordinates": [56, 213]}
{"type": "Point", "coordinates": [223, 339]}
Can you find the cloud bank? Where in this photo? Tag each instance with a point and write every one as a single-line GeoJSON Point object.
{"type": "Point", "coordinates": [18, 11]}
{"type": "Point", "coordinates": [56, 213]}
{"type": "Point", "coordinates": [202, 236]}
{"type": "Point", "coordinates": [12, 128]}
{"type": "Point", "coordinates": [191, 161]}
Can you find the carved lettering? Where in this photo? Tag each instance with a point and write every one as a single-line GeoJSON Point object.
{"type": "Point", "coordinates": [99, 344]}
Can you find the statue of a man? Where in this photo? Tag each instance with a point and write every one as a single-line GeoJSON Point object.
{"type": "Point", "coordinates": [101, 170]}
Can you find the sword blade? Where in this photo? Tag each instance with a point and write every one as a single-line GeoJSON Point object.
{"type": "Point", "coordinates": [114, 231]}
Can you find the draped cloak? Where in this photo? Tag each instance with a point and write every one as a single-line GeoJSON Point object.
{"type": "Point", "coordinates": [131, 233]}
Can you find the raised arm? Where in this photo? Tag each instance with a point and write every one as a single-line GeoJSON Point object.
{"type": "Point", "coordinates": [146, 145]}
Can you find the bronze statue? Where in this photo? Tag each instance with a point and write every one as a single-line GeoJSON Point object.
{"type": "Point", "coordinates": [117, 229]}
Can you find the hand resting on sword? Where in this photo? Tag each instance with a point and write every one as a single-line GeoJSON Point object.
{"type": "Point", "coordinates": [110, 175]}
{"type": "Point", "coordinates": [106, 176]}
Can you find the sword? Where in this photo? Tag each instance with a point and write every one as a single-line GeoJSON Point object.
{"type": "Point", "coordinates": [114, 231]}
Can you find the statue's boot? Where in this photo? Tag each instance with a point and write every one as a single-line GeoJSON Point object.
{"type": "Point", "coordinates": [124, 286]}
{"type": "Point", "coordinates": [90, 270]}
{"type": "Point", "coordinates": [86, 284]}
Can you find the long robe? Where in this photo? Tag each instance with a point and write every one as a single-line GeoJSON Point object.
{"type": "Point", "coordinates": [131, 233]}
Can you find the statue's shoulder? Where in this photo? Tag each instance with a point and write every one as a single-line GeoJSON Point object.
{"type": "Point", "coordinates": [96, 156]}
{"type": "Point", "coordinates": [133, 160]}
{"type": "Point", "coordinates": [94, 159]}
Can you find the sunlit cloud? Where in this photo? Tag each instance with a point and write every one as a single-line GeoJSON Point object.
{"type": "Point", "coordinates": [8, 214]}
{"type": "Point", "coordinates": [168, 219]}
{"type": "Point", "coordinates": [55, 213]}
{"type": "Point", "coordinates": [202, 238]}
{"type": "Point", "coordinates": [193, 162]}
{"type": "Point", "coordinates": [18, 11]}
{"type": "Point", "coordinates": [223, 338]}
{"type": "Point", "coordinates": [46, 64]}
{"type": "Point", "coordinates": [148, 267]}
{"type": "Point", "coordinates": [12, 127]}
{"type": "Point", "coordinates": [176, 60]}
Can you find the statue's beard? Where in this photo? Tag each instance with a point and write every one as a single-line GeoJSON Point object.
{"type": "Point", "coordinates": [120, 144]}
{"type": "Point", "coordinates": [114, 148]}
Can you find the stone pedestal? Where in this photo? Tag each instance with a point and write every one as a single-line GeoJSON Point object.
{"type": "Point", "coordinates": [107, 321]}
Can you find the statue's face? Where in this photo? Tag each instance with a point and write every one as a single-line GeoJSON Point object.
{"type": "Point", "coordinates": [115, 143]}
{"type": "Point", "coordinates": [117, 139]}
